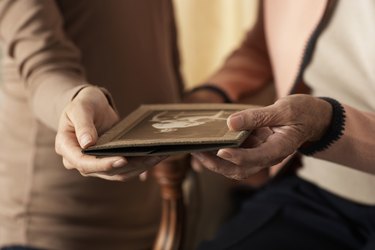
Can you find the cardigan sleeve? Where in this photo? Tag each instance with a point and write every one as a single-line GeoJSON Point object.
{"type": "Point", "coordinates": [48, 63]}
{"type": "Point", "coordinates": [248, 68]}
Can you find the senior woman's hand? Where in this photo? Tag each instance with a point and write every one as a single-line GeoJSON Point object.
{"type": "Point", "coordinates": [294, 120]}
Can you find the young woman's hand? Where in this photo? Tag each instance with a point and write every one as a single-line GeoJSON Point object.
{"type": "Point", "coordinates": [88, 115]}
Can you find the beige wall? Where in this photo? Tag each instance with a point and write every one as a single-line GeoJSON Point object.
{"type": "Point", "coordinates": [208, 30]}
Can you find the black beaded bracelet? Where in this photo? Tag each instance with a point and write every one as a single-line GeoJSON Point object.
{"type": "Point", "coordinates": [215, 89]}
{"type": "Point", "coordinates": [334, 131]}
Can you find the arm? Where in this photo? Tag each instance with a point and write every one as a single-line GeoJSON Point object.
{"type": "Point", "coordinates": [355, 147]}
{"type": "Point", "coordinates": [47, 62]}
{"type": "Point", "coordinates": [325, 129]}
{"type": "Point", "coordinates": [32, 35]}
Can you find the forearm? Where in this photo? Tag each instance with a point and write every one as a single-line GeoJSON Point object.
{"type": "Point", "coordinates": [355, 147]}
{"type": "Point", "coordinates": [31, 33]}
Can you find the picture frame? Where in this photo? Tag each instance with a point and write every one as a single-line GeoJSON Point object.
{"type": "Point", "coordinates": [165, 129]}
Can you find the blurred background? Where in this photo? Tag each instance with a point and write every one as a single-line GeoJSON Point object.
{"type": "Point", "coordinates": [208, 31]}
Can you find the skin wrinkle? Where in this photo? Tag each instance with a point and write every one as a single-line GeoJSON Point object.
{"type": "Point", "coordinates": [291, 123]}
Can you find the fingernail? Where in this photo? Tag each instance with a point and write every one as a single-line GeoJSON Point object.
{"type": "Point", "coordinates": [224, 154]}
{"type": "Point", "coordinates": [236, 122]}
{"type": "Point", "coordinates": [143, 176]}
{"type": "Point", "coordinates": [119, 163]}
{"type": "Point", "coordinates": [85, 140]}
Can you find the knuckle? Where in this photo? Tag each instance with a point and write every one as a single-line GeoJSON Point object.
{"type": "Point", "coordinates": [66, 164]}
{"type": "Point", "coordinates": [291, 111]}
{"type": "Point", "coordinates": [58, 143]}
{"type": "Point", "coordinates": [107, 168]}
{"type": "Point", "coordinates": [239, 160]}
{"type": "Point", "coordinates": [237, 173]}
{"type": "Point", "coordinates": [83, 171]}
{"type": "Point", "coordinates": [213, 167]}
{"type": "Point", "coordinates": [283, 105]}
{"type": "Point", "coordinates": [237, 177]}
{"type": "Point", "coordinates": [243, 174]}
{"type": "Point", "coordinates": [84, 175]}
{"type": "Point", "coordinates": [255, 118]}
{"type": "Point", "coordinates": [238, 157]}
{"type": "Point", "coordinates": [266, 160]}
{"type": "Point", "coordinates": [57, 148]}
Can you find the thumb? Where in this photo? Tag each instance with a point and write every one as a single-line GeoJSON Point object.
{"type": "Point", "coordinates": [253, 118]}
{"type": "Point", "coordinates": [86, 137]}
{"type": "Point", "coordinates": [83, 123]}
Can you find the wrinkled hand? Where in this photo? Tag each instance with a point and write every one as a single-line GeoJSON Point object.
{"type": "Point", "coordinates": [88, 115]}
{"type": "Point", "coordinates": [294, 120]}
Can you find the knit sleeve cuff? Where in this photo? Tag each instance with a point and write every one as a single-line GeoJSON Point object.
{"type": "Point", "coordinates": [215, 89]}
{"type": "Point", "coordinates": [333, 133]}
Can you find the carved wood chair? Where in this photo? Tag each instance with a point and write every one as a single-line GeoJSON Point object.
{"type": "Point", "coordinates": [170, 176]}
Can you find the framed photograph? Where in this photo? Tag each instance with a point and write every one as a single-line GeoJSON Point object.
{"type": "Point", "coordinates": [166, 129]}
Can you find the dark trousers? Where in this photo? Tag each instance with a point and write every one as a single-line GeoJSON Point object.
{"type": "Point", "coordinates": [294, 214]}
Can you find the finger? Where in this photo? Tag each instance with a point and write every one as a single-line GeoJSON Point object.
{"type": "Point", "coordinates": [120, 177]}
{"type": "Point", "coordinates": [135, 166]}
{"type": "Point", "coordinates": [276, 148]}
{"type": "Point", "coordinates": [251, 141]}
{"type": "Point", "coordinates": [213, 163]}
{"type": "Point", "coordinates": [82, 119]}
{"type": "Point", "coordinates": [196, 165]}
{"type": "Point", "coordinates": [257, 137]}
{"type": "Point", "coordinates": [121, 174]}
{"type": "Point", "coordinates": [143, 176]}
{"type": "Point", "coordinates": [262, 133]}
{"type": "Point", "coordinates": [142, 163]}
{"type": "Point", "coordinates": [226, 168]}
{"type": "Point", "coordinates": [68, 147]}
{"type": "Point", "coordinates": [67, 164]}
{"type": "Point", "coordinates": [250, 119]}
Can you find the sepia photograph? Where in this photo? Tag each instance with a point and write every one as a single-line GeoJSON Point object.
{"type": "Point", "coordinates": [181, 124]}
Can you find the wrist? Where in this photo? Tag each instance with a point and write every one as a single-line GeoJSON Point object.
{"type": "Point", "coordinates": [322, 120]}
{"type": "Point", "coordinates": [208, 93]}
{"type": "Point", "coordinates": [97, 90]}
{"type": "Point", "coordinates": [332, 129]}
